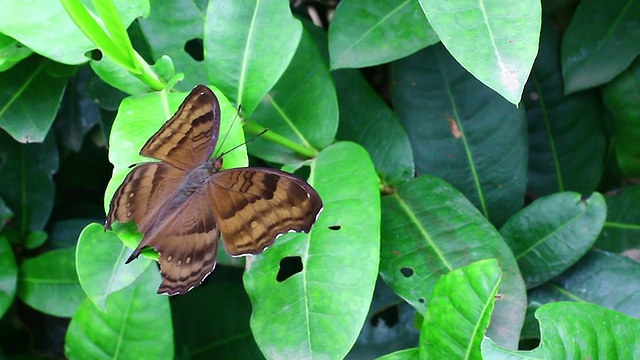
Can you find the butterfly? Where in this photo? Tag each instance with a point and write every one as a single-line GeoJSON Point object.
{"type": "Point", "coordinates": [183, 202]}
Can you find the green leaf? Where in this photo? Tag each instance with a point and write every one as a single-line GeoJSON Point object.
{"type": "Point", "coordinates": [49, 283]}
{"type": "Point", "coordinates": [577, 331]}
{"type": "Point", "coordinates": [319, 310]}
{"type": "Point", "coordinates": [45, 27]}
{"type": "Point", "coordinates": [118, 77]}
{"type": "Point", "coordinates": [408, 354]}
{"type": "Point", "coordinates": [5, 214]}
{"type": "Point", "coordinates": [552, 233]}
{"type": "Point", "coordinates": [8, 275]}
{"type": "Point", "coordinates": [100, 259]}
{"type": "Point", "coordinates": [621, 97]}
{"type": "Point", "coordinates": [137, 324]}
{"type": "Point", "coordinates": [459, 312]}
{"type": "Point", "coordinates": [495, 40]}
{"type": "Point", "coordinates": [366, 33]}
{"type": "Point", "coordinates": [221, 334]}
{"type": "Point", "coordinates": [245, 53]}
{"type": "Point", "coordinates": [566, 136]}
{"type": "Point", "coordinates": [29, 99]}
{"type": "Point", "coordinates": [185, 22]}
{"type": "Point", "coordinates": [367, 120]}
{"type": "Point", "coordinates": [621, 231]}
{"type": "Point", "coordinates": [463, 132]}
{"type": "Point", "coordinates": [35, 239]}
{"type": "Point", "coordinates": [139, 117]}
{"type": "Point", "coordinates": [429, 229]}
{"type": "Point", "coordinates": [11, 52]}
{"type": "Point", "coordinates": [606, 279]}
{"type": "Point", "coordinates": [302, 106]}
{"type": "Point", "coordinates": [597, 30]}
{"type": "Point", "coordinates": [27, 181]}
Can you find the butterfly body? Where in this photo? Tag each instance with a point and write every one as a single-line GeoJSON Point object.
{"type": "Point", "coordinates": [183, 202]}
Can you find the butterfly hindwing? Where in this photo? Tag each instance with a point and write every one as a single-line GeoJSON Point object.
{"type": "Point", "coordinates": [188, 138]}
{"type": "Point", "coordinates": [255, 205]}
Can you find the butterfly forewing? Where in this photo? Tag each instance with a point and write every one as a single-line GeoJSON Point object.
{"type": "Point", "coordinates": [188, 138]}
{"type": "Point", "coordinates": [143, 193]}
{"type": "Point", "coordinates": [255, 205]}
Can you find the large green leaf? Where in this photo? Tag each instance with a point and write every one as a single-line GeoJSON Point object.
{"type": "Point", "coordinates": [599, 29]}
{"type": "Point", "coordinates": [136, 325]}
{"type": "Point", "coordinates": [49, 283]}
{"type": "Point", "coordinates": [26, 183]}
{"type": "Point", "coordinates": [459, 312]}
{"type": "Point", "coordinates": [245, 53]}
{"type": "Point", "coordinates": [100, 259]}
{"type": "Point", "coordinates": [577, 331]}
{"type": "Point", "coordinates": [408, 354]}
{"type": "Point", "coordinates": [302, 106]}
{"type": "Point", "coordinates": [621, 97]}
{"type": "Point", "coordinates": [212, 321]}
{"type": "Point", "coordinates": [566, 136]}
{"type": "Point", "coordinates": [463, 132]}
{"type": "Point", "coordinates": [367, 120]}
{"type": "Point", "coordinates": [430, 229]}
{"type": "Point", "coordinates": [606, 279]}
{"type": "Point", "coordinates": [184, 21]}
{"type": "Point", "coordinates": [46, 28]}
{"type": "Point", "coordinates": [29, 99]}
{"type": "Point", "coordinates": [554, 232]}
{"type": "Point", "coordinates": [8, 275]}
{"type": "Point", "coordinates": [366, 33]}
{"type": "Point", "coordinates": [319, 310]}
{"type": "Point", "coordinates": [495, 40]}
{"type": "Point", "coordinates": [621, 231]}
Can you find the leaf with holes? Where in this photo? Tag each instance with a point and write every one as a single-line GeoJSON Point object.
{"type": "Point", "coordinates": [429, 229]}
{"type": "Point", "coordinates": [311, 292]}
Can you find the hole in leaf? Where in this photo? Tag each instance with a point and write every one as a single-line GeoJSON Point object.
{"type": "Point", "coordinates": [195, 49]}
{"type": "Point", "coordinates": [406, 272]}
{"type": "Point", "coordinates": [289, 266]}
{"type": "Point", "coordinates": [335, 227]}
{"type": "Point", "coordinates": [421, 300]}
{"type": "Point", "coordinates": [390, 316]}
{"type": "Point", "coordinates": [94, 54]}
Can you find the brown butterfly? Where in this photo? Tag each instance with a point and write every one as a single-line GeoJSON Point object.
{"type": "Point", "coordinates": [181, 203]}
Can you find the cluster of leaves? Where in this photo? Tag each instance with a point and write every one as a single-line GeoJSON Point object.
{"type": "Point", "coordinates": [476, 209]}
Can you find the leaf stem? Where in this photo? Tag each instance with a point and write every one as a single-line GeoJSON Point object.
{"type": "Point", "coordinates": [255, 128]}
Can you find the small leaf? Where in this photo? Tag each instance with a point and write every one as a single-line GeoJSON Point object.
{"type": "Point", "coordinates": [246, 54]}
{"type": "Point", "coordinates": [577, 331]}
{"type": "Point", "coordinates": [408, 354]}
{"type": "Point", "coordinates": [459, 312]}
{"type": "Point", "coordinates": [364, 33]}
{"type": "Point", "coordinates": [49, 283]}
{"type": "Point", "coordinates": [11, 52]}
{"type": "Point", "coordinates": [35, 239]}
{"type": "Point", "coordinates": [27, 106]}
{"type": "Point", "coordinates": [319, 310]}
{"type": "Point", "coordinates": [136, 325]}
{"type": "Point", "coordinates": [597, 30]}
{"type": "Point", "coordinates": [552, 233]}
{"type": "Point", "coordinates": [496, 41]}
{"type": "Point", "coordinates": [100, 258]}
{"type": "Point", "coordinates": [8, 275]}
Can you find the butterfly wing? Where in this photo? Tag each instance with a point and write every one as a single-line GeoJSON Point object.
{"type": "Point", "coordinates": [185, 236]}
{"type": "Point", "coordinates": [142, 194]}
{"type": "Point", "coordinates": [189, 137]}
{"type": "Point", "coordinates": [255, 205]}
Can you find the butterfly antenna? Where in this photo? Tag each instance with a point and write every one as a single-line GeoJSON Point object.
{"type": "Point", "coordinates": [244, 143]}
{"type": "Point", "coordinates": [230, 127]}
